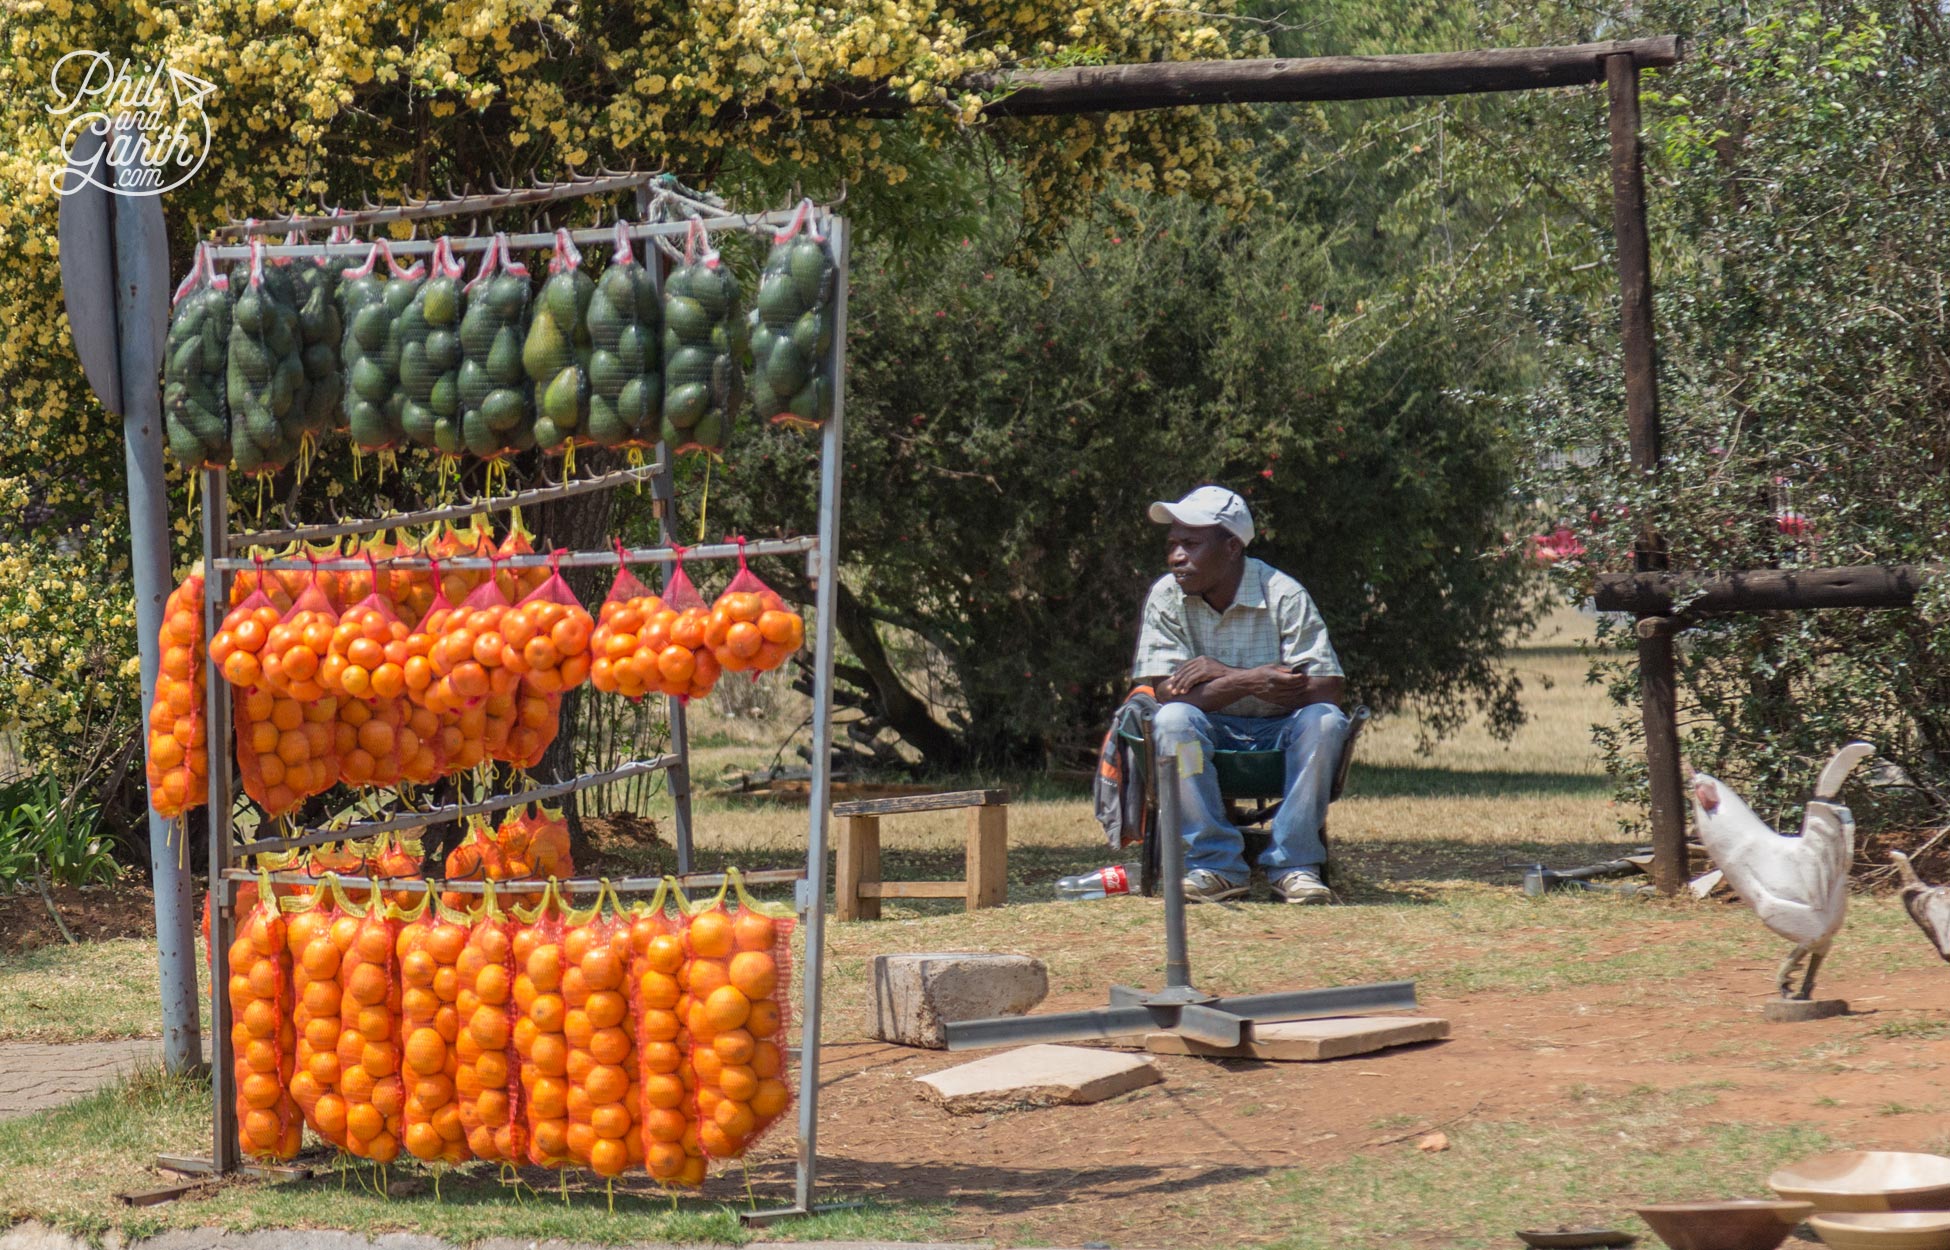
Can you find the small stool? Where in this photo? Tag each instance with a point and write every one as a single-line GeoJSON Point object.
{"type": "Point", "coordinates": [857, 886]}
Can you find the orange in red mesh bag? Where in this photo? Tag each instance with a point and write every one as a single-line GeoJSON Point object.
{"type": "Point", "coordinates": [373, 742]}
{"type": "Point", "coordinates": [295, 648]}
{"type": "Point", "coordinates": [750, 628]}
{"type": "Point", "coordinates": [477, 858]}
{"type": "Point", "coordinates": [369, 1043]}
{"type": "Point", "coordinates": [397, 859]}
{"type": "Point", "coordinates": [667, 1108]}
{"type": "Point", "coordinates": [367, 653]}
{"type": "Point", "coordinates": [518, 583]}
{"type": "Point", "coordinates": [669, 652]}
{"type": "Point", "coordinates": [546, 637]}
{"type": "Point", "coordinates": [178, 758]}
{"type": "Point", "coordinates": [601, 1067]}
{"type": "Point", "coordinates": [239, 643]}
{"type": "Point", "coordinates": [737, 977]}
{"type": "Point", "coordinates": [263, 1044]}
{"type": "Point", "coordinates": [286, 750]}
{"type": "Point", "coordinates": [317, 935]}
{"type": "Point", "coordinates": [475, 541]}
{"type": "Point", "coordinates": [622, 660]}
{"type": "Point", "coordinates": [430, 946]}
{"type": "Point", "coordinates": [459, 737]}
{"type": "Point", "coordinates": [487, 1082]}
{"type": "Point", "coordinates": [539, 1039]}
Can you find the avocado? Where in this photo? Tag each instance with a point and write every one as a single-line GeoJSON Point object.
{"type": "Point", "coordinates": [507, 295]}
{"type": "Point", "coordinates": [480, 437]}
{"type": "Point", "coordinates": [443, 349]}
{"type": "Point", "coordinates": [440, 301]}
{"type": "Point", "coordinates": [504, 408]}
{"type": "Point", "coordinates": [685, 402]}
{"type": "Point", "coordinates": [687, 319]}
{"type": "Point", "coordinates": [369, 326]}
{"type": "Point", "coordinates": [369, 381]}
{"type": "Point", "coordinates": [418, 423]}
{"type": "Point", "coordinates": [444, 399]}
{"type": "Point", "coordinates": [604, 424]}
{"type": "Point", "coordinates": [786, 370]}
{"type": "Point", "coordinates": [399, 295]}
{"type": "Point", "coordinates": [546, 350]}
{"type": "Point", "coordinates": [248, 313]}
{"type": "Point", "coordinates": [813, 335]}
{"type": "Point", "coordinates": [634, 403]}
{"type": "Point", "coordinates": [504, 363]}
{"type": "Point", "coordinates": [812, 272]}
{"type": "Point", "coordinates": [606, 373]}
{"type": "Point", "coordinates": [474, 383]}
{"type": "Point", "coordinates": [779, 303]}
{"type": "Point", "coordinates": [563, 399]}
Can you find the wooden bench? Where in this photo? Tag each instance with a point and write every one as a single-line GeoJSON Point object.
{"type": "Point", "coordinates": [858, 888]}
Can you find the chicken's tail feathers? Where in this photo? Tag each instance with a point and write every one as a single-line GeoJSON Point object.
{"type": "Point", "coordinates": [1906, 869]}
{"type": "Point", "coordinates": [1829, 784]}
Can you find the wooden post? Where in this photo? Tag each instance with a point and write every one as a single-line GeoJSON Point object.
{"type": "Point", "coordinates": [858, 861]}
{"type": "Point", "coordinates": [988, 856]}
{"type": "Point", "coordinates": [1657, 693]}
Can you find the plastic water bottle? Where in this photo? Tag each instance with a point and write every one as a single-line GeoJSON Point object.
{"type": "Point", "coordinates": [1115, 879]}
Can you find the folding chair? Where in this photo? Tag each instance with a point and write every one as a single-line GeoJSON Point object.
{"type": "Point", "coordinates": [1256, 777]}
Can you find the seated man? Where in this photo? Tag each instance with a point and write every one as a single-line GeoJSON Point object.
{"type": "Point", "coordinates": [1240, 660]}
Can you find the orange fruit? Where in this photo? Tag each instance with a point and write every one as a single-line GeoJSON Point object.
{"type": "Point", "coordinates": [707, 1065]}
{"type": "Point", "coordinates": [548, 1098]}
{"type": "Point", "coordinates": [659, 1056]}
{"type": "Point", "coordinates": [703, 976]}
{"type": "Point", "coordinates": [664, 1160]}
{"type": "Point", "coordinates": [734, 1116]}
{"type": "Point", "coordinates": [658, 990]}
{"type": "Point", "coordinates": [426, 1054]}
{"type": "Point", "coordinates": [606, 1009]}
{"type": "Point", "coordinates": [662, 1091]}
{"type": "Point", "coordinates": [664, 1124]}
{"type": "Point", "coordinates": [734, 1046]}
{"type": "Point", "coordinates": [769, 1100]}
{"type": "Point", "coordinates": [764, 1021]}
{"type": "Point", "coordinates": [754, 974]}
{"type": "Point", "coordinates": [711, 935]}
{"type": "Point", "coordinates": [549, 1139]}
{"type": "Point", "coordinates": [610, 1045]}
{"type": "Point", "coordinates": [489, 1028]}
{"type": "Point", "coordinates": [329, 1115]}
{"type": "Point", "coordinates": [547, 1012]}
{"type": "Point", "coordinates": [656, 1025]}
{"type": "Point", "coordinates": [610, 1120]}
{"type": "Point", "coordinates": [578, 1029]}
{"type": "Point", "coordinates": [544, 967]}
{"type": "Point", "coordinates": [363, 1122]}
{"type": "Point", "coordinates": [727, 1008]}
{"type": "Point", "coordinates": [719, 1144]}
{"type": "Point", "coordinates": [607, 1082]}
{"type": "Point", "coordinates": [550, 1054]}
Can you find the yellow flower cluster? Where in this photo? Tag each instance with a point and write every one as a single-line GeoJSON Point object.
{"type": "Point", "coordinates": [343, 98]}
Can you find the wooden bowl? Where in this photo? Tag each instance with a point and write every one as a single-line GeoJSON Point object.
{"type": "Point", "coordinates": [1726, 1224]}
{"type": "Point", "coordinates": [1867, 1180]}
{"type": "Point", "coordinates": [1884, 1230]}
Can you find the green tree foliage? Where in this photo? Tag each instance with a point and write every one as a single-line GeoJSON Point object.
{"type": "Point", "coordinates": [1799, 207]}
{"type": "Point", "coordinates": [1006, 431]}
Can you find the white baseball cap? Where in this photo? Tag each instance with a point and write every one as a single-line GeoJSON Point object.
{"type": "Point", "coordinates": [1208, 505]}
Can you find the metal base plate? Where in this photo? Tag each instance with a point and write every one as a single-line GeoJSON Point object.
{"type": "Point", "coordinates": [773, 1215]}
{"type": "Point", "coordinates": [1215, 1021]}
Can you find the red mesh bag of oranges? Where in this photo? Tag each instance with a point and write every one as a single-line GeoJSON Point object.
{"type": "Point", "coordinates": [239, 644]}
{"type": "Point", "coordinates": [263, 1043]}
{"type": "Point", "coordinates": [431, 943]}
{"type": "Point", "coordinates": [286, 750]}
{"type": "Point", "coordinates": [487, 1082]}
{"type": "Point", "coordinates": [601, 1065]}
{"type": "Point", "coordinates": [293, 658]}
{"type": "Point", "coordinates": [367, 652]}
{"type": "Point", "coordinates": [674, 633]}
{"type": "Point", "coordinates": [460, 732]}
{"type": "Point", "coordinates": [178, 759]}
{"type": "Point", "coordinates": [546, 637]}
{"type": "Point", "coordinates": [750, 629]}
{"type": "Point", "coordinates": [541, 1044]}
{"type": "Point", "coordinates": [623, 659]}
{"type": "Point", "coordinates": [369, 1020]}
{"type": "Point", "coordinates": [317, 935]}
{"type": "Point", "coordinates": [737, 976]}
{"type": "Point", "coordinates": [668, 1107]}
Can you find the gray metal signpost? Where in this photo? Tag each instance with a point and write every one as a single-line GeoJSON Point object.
{"type": "Point", "coordinates": [115, 281]}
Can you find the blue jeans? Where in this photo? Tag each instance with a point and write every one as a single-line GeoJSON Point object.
{"type": "Point", "coordinates": [1311, 738]}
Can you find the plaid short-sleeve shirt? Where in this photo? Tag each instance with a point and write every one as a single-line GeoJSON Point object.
{"type": "Point", "coordinates": [1271, 620]}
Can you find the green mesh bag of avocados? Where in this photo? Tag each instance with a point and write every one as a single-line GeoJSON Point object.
{"type": "Point", "coordinates": [792, 326]}
{"type": "Point", "coordinates": [315, 283]}
{"type": "Point", "coordinates": [497, 410]}
{"type": "Point", "coordinates": [372, 303]}
{"type": "Point", "coordinates": [704, 338]}
{"type": "Point", "coordinates": [196, 417]}
{"type": "Point", "coordinates": [265, 371]}
{"type": "Point", "coordinates": [557, 350]}
{"type": "Point", "coordinates": [429, 355]}
{"type": "Point", "coordinates": [626, 388]}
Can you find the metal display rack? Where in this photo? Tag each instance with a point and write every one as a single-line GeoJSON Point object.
{"type": "Point", "coordinates": [822, 554]}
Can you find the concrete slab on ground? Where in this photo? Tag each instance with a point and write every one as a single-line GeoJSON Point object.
{"type": "Point", "coordinates": [1040, 1076]}
{"type": "Point", "coordinates": [37, 1075]}
{"type": "Point", "coordinates": [1310, 1041]}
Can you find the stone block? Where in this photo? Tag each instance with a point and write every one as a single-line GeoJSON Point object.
{"type": "Point", "coordinates": [1040, 1076]}
{"type": "Point", "coordinates": [916, 996]}
{"type": "Point", "coordinates": [1801, 1010]}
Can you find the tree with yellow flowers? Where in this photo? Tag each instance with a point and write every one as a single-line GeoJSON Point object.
{"type": "Point", "coordinates": [332, 100]}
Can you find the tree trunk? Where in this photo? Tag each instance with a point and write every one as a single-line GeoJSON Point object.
{"type": "Point", "coordinates": [903, 712]}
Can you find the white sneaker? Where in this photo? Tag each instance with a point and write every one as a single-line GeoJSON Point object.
{"type": "Point", "coordinates": [1203, 886]}
{"type": "Point", "coordinates": [1302, 885]}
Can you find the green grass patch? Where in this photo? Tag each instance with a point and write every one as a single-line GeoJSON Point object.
{"type": "Point", "coordinates": [64, 1167]}
{"type": "Point", "coordinates": [91, 991]}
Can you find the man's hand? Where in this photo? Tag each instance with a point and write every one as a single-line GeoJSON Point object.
{"type": "Point", "coordinates": [1190, 675]}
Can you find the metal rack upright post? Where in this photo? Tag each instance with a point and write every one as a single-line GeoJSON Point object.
{"type": "Point", "coordinates": [822, 553]}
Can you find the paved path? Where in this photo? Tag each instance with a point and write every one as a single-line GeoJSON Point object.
{"type": "Point", "coordinates": [33, 1236]}
{"type": "Point", "coordinates": [38, 1075]}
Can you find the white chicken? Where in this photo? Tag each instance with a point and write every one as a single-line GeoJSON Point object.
{"type": "Point", "coordinates": [1798, 885]}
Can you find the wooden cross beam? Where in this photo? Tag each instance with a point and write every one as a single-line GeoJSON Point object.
{"type": "Point", "coordinates": [1176, 84]}
{"type": "Point", "coordinates": [1764, 590]}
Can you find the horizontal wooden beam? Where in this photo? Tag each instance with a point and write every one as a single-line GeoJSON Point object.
{"type": "Point", "coordinates": [921, 803]}
{"type": "Point", "coordinates": [1764, 590]}
{"type": "Point", "coordinates": [913, 889]}
{"type": "Point", "coordinates": [1177, 84]}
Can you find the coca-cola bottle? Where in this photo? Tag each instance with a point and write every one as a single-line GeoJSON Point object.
{"type": "Point", "coordinates": [1114, 879]}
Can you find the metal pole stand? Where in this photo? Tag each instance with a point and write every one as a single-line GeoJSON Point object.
{"type": "Point", "coordinates": [1180, 1007]}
